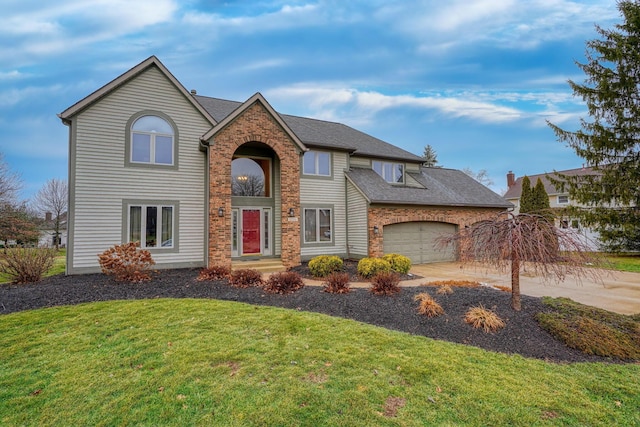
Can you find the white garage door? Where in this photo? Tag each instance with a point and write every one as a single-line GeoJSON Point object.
{"type": "Point", "coordinates": [417, 240]}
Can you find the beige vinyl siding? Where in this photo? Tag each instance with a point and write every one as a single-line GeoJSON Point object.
{"type": "Point", "coordinates": [357, 207]}
{"type": "Point", "coordinates": [360, 162]}
{"type": "Point", "coordinates": [318, 192]}
{"type": "Point", "coordinates": [102, 181]}
{"type": "Point", "coordinates": [410, 182]}
{"type": "Point", "coordinates": [412, 167]}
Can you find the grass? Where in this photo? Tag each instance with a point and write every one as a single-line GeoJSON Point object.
{"type": "Point", "coordinates": [624, 262]}
{"type": "Point", "coordinates": [207, 362]}
{"type": "Point", "coordinates": [58, 267]}
{"type": "Point", "coordinates": [592, 330]}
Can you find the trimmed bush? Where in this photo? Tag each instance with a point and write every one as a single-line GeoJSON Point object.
{"type": "Point", "coordinates": [127, 263]}
{"type": "Point", "coordinates": [285, 282]}
{"type": "Point", "coordinates": [369, 267]}
{"type": "Point", "coordinates": [428, 306]}
{"type": "Point", "coordinates": [385, 283]}
{"type": "Point", "coordinates": [323, 265]}
{"type": "Point", "coordinates": [480, 317]}
{"type": "Point", "coordinates": [337, 283]}
{"type": "Point", "coordinates": [214, 273]}
{"type": "Point", "coordinates": [444, 290]}
{"type": "Point", "coordinates": [399, 263]}
{"type": "Point", "coordinates": [26, 265]}
{"type": "Point", "coordinates": [246, 278]}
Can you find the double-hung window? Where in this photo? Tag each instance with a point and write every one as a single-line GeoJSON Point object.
{"type": "Point", "coordinates": [317, 225]}
{"type": "Point", "coordinates": [562, 200]}
{"type": "Point", "coordinates": [152, 225]}
{"type": "Point", "coordinates": [152, 141]}
{"type": "Point", "coordinates": [390, 172]}
{"type": "Point", "coordinates": [316, 163]}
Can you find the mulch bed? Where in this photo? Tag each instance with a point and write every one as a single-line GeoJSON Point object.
{"type": "Point", "coordinates": [349, 266]}
{"type": "Point", "coordinates": [521, 335]}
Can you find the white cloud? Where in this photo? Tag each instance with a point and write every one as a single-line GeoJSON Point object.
{"type": "Point", "coordinates": [11, 75]}
{"type": "Point", "coordinates": [11, 97]}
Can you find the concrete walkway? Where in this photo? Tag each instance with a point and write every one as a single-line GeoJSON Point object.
{"type": "Point", "coordinates": [619, 291]}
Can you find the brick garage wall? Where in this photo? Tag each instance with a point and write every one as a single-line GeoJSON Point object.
{"type": "Point", "coordinates": [385, 215]}
{"type": "Point", "coordinates": [254, 124]}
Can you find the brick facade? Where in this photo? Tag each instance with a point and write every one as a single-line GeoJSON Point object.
{"type": "Point", "coordinates": [380, 216]}
{"type": "Point", "coordinates": [255, 124]}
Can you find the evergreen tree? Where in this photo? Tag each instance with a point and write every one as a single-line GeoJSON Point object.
{"type": "Point", "coordinates": [526, 197]}
{"type": "Point", "coordinates": [541, 204]}
{"type": "Point", "coordinates": [609, 140]}
{"type": "Point", "coordinates": [430, 157]}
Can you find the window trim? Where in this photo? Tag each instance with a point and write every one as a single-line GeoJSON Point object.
{"type": "Point", "coordinates": [126, 221]}
{"type": "Point", "coordinates": [128, 145]}
{"type": "Point", "coordinates": [316, 174]}
{"type": "Point", "coordinates": [318, 243]}
{"type": "Point", "coordinates": [393, 164]}
{"type": "Point", "coordinates": [566, 198]}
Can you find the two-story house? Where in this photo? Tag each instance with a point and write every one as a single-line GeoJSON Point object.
{"type": "Point", "coordinates": [203, 181]}
{"type": "Point", "coordinates": [558, 199]}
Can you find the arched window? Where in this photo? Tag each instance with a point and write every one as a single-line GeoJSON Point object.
{"type": "Point", "coordinates": [152, 141]}
{"type": "Point", "coordinates": [250, 177]}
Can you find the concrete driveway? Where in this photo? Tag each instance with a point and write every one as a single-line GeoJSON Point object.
{"type": "Point", "coordinates": [619, 292]}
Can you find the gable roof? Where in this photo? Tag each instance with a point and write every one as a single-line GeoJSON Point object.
{"type": "Point", "coordinates": [441, 187]}
{"type": "Point", "coordinates": [515, 190]}
{"type": "Point", "coordinates": [320, 134]}
{"type": "Point", "coordinates": [152, 61]}
{"type": "Point", "coordinates": [256, 98]}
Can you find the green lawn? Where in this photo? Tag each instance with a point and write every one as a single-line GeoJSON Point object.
{"type": "Point", "coordinates": [207, 362]}
{"type": "Point", "coordinates": [627, 262]}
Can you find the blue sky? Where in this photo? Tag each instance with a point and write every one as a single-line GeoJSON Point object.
{"type": "Point", "coordinates": [475, 79]}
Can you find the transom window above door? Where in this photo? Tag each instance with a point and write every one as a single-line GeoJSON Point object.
{"type": "Point", "coordinates": [250, 177]}
{"type": "Point", "coordinates": [316, 163]}
{"type": "Point", "coordinates": [152, 141]}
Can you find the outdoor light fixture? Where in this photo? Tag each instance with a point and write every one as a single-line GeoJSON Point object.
{"type": "Point", "coordinates": [376, 230]}
{"type": "Point", "coordinates": [291, 212]}
{"type": "Point", "coordinates": [221, 211]}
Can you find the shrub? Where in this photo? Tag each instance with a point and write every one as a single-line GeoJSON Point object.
{"type": "Point", "coordinates": [480, 317]}
{"type": "Point", "coordinates": [214, 273]}
{"type": "Point", "coordinates": [337, 283]}
{"type": "Point", "coordinates": [369, 267]}
{"type": "Point", "coordinates": [385, 283]}
{"type": "Point", "coordinates": [428, 306]}
{"type": "Point", "coordinates": [246, 278]}
{"type": "Point", "coordinates": [26, 265]}
{"type": "Point", "coordinates": [323, 265]}
{"type": "Point", "coordinates": [444, 290]}
{"type": "Point", "coordinates": [459, 283]}
{"type": "Point", "coordinates": [399, 263]}
{"type": "Point", "coordinates": [284, 282]}
{"type": "Point", "coordinates": [127, 263]}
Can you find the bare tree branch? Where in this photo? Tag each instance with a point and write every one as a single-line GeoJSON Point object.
{"type": "Point", "coordinates": [10, 183]}
{"type": "Point", "coordinates": [53, 198]}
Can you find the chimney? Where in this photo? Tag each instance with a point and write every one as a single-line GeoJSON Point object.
{"type": "Point", "coordinates": [511, 179]}
{"type": "Point", "coordinates": [194, 92]}
{"type": "Point", "coordinates": [48, 216]}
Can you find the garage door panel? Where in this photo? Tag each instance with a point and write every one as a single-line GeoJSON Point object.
{"type": "Point", "coordinates": [417, 241]}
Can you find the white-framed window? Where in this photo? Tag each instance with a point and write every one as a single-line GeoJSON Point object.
{"type": "Point", "coordinates": [390, 172]}
{"type": "Point", "coordinates": [151, 225]}
{"type": "Point", "coordinates": [316, 163]}
{"type": "Point", "coordinates": [562, 200]}
{"type": "Point", "coordinates": [317, 225]}
{"type": "Point", "coordinates": [152, 141]}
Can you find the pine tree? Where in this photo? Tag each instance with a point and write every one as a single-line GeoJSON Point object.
{"type": "Point", "coordinates": [430, 157]}
{"type": "Point", "coordinates": [541, 204]}
{"type": "Point", "coordinates": [526, 197]}
{"type": "Point", "coordinates": [609, 140]}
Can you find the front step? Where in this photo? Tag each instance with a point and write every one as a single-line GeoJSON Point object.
{"type": "Point", "coordinates": [269, 265]}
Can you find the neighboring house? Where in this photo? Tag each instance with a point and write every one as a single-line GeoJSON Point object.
{"type": "Point", "coordinates": [204, 181]}
{"type": "Point", "coordinates": [48, 231]}
{"type": "Point", "coordinates": [558, 199]}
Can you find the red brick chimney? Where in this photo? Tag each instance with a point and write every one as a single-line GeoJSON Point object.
{"type": "Point", "coordinates": [48, 216]}
{"type": "Point", "coordinates": [511, 179]}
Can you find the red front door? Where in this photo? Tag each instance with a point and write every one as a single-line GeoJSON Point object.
{"type": "Point", "coordinates": [250, 231]}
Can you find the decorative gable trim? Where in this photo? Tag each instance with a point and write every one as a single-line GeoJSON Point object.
{"type": "Point", "coordinates": [256, 98]}
{"type": "Point", "coordinates": [152, 61]}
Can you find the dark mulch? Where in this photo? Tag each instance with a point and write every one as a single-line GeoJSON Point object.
{"type": "Point", "coordinates": [349, 266]}
{"type": "Point", "coordinates": [522, 335]}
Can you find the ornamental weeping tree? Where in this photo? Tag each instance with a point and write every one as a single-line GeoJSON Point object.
{"type": "Point", "coordinates": [509, 241]}
{"type": "Point", "coordinates": [609, 199]}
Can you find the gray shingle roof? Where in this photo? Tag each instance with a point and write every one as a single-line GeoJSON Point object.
{"type": "Point", "coordinates": [442, 187]}
{"type": "Point", "coordinates": [320, 133]}
{"type": "Point", "coordinates": [515, 190]}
